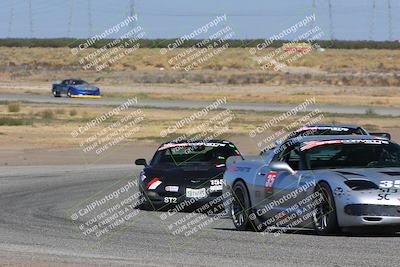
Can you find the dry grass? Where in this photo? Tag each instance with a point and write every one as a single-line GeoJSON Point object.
{"type": "Point", "coordinates": [351, 77]}
{"type": "Point", "coordinates": [364, 60]}
{"type": "Point", "coordinates": [232, 66]}
{"type": "Point", "coordinates": [55, 130]}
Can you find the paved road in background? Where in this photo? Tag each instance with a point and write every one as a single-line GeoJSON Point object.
{"type": "Point", "coordinates": [340, 109]}
{"type": "Point", "coordinates": [35, 225]}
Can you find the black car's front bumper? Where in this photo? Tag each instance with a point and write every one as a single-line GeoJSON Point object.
{"type": "Point", "coordinates": [179, 202]}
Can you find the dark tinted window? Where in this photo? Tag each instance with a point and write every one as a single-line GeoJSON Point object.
{"type": "Point", "coordinates": [352, 156]}
{"type": "Point", "coordinates": [78, 82]}
{"type": "Point", "coordinates": [201, 154]}
{"type": "Point", "coordinates": [329, 131]}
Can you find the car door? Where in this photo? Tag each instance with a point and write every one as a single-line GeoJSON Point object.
{"type": "Point", "coordinates": [283, 192]}
{"type": "Point", "coordinates": [64, 86]}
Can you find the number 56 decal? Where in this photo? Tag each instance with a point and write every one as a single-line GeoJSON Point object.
{"type": "Point", "coordinates": [390, 184]}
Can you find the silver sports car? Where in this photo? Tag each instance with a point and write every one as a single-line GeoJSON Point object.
{"type": "Point", "coordinates": [325, 183]}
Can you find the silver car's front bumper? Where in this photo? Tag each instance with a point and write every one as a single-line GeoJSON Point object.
{"type": "Point", "coordinates": [363, 208]}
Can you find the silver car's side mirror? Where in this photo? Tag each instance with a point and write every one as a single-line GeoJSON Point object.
{"type": "Point", "coordinates": [280, 166]}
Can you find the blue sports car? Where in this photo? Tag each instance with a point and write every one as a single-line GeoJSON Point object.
{"type": "Point", "coordinates": [75, 88]}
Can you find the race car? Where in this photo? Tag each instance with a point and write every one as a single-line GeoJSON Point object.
{"type": "Point", "coordinates": [327, 129]}
{"type": "Point", "coordinates": [75, 88]}
{"type": "Point", "coordinates": [188, 173]}
{"type": "Point", "coordinates": [325, 183]}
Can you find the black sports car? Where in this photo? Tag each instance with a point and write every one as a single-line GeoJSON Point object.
{"type": "Point", "coordinates": [185, 173]}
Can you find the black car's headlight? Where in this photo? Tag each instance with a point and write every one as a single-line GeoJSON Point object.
{"type": "Point", "coordinates": [359, 185]}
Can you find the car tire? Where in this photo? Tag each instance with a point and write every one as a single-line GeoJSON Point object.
{"type": "Point", "coordinates": [325, 217]}
{"type": "Point", "coordinates": [56, 94]}
{"type": "Point", "coordinates": [145, 204]}
{"type": "Point", "coordinates": [69, 94]}
{"type": "Point", "coordinates": [241, 207]}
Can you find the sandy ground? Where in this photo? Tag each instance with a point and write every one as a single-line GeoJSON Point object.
{"type": "Point", "coordinates": [354, 95]}
{"type": "Point", "coordinates": [18, 155]}
{"type": "Point", "coordinates": [126, 153]}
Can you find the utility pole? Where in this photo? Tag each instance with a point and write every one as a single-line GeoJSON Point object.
{"type": "Point", "coordinates": [30, 17]}
{"type": "Point", "coordinates": [90, 25]}
{"type": "Point", "coordinates": [71, 10]}
{"type": "Point", "coordinates": [390, 21]}
{"type": "Point", "coordinates": [372, 22]}
{"type": "Point", "coordinates": [10, 23]}
{"type": "Point", "coordinates": [132, 11]}
{"type": "Point", "coordinates": [331, 20]}
{"type": "Point", "coordinates": [314, 10]}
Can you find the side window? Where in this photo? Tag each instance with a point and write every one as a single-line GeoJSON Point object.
{"type": "Point", "coordinates": [278, 153]}
{"type": "Point", "coordinates": [293, 158]}
{"type": "Point", "coordinates": [290, 155]}
{"type": "Point", "coordinates": [156, 158]}
{"type": "Point", "coordinates": [281, 151]}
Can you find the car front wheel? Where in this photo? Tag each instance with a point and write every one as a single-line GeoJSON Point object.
{"type": "Point", "coordinates": [241, 207]}
{"type": "Point", "coordinates": [324, 217]}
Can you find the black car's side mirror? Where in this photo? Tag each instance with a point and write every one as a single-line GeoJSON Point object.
{"type": "Point", "coordinates": [141, 162]}
{"type": "Point", "coordinates": [384, 135]}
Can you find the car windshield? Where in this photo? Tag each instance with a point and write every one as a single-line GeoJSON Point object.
{"type": "Point", "coordinates": [307, 131]}
{"type": "Point", "coordinates": [78, 82]}
{"type": "Point", "coordinates": [374, 154]}
{"type": "Point", "coordinates": [195, 154]}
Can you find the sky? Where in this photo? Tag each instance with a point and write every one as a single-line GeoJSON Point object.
{"type": "Point", "coordinates": [349, 19]}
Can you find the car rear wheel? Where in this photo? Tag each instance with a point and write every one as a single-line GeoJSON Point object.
{"type": "Point", "coordinates": [324, 217]}
{"type": "Point", "coordinates": [56, 94]}
{"type": "Point", "coordinates": [69, 94]}
{"type": "Point", "coordinates": [240, 207]}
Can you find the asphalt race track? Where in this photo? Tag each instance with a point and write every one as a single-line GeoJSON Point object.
{"type": "Point", "coordinates": [342, 109]}
{"type": "Point", "coordinates": [35, 224]}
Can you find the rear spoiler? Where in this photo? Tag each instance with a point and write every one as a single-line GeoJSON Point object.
{"type": "Point", "coordinates": [384, 135]}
